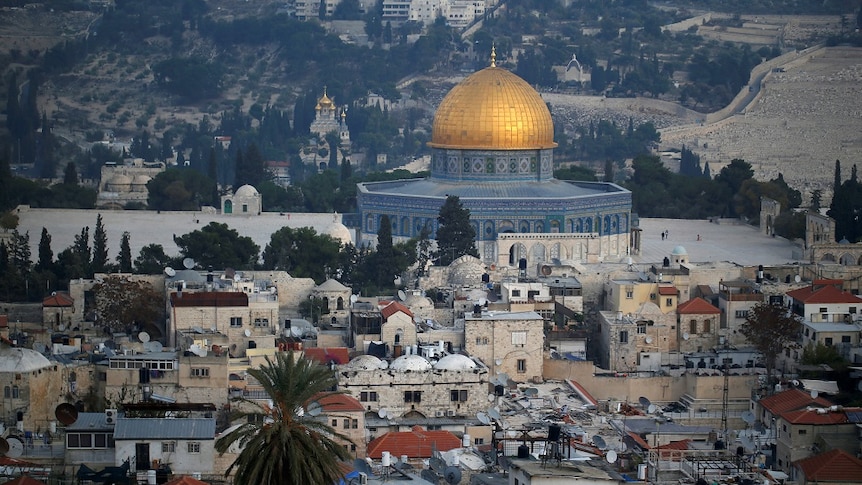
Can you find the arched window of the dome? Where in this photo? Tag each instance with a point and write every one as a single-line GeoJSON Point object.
{"type": "Point", "coordinates": [489, 230]}
{"type": "Point", "coordinates": [588, 225]}
{"type": "Point", "coordinates": [405, 226]}
{"type": "Point", "coordinates": [524, 226]}
{"type": "Point", "coordinates": [540, 227]}
{"type": "Point", "coordinates": [537, 253]}
{"type": "Point", "coordinates": [555, 226]}
{"type": "Point", "coordinates": [607, 225]}
{"type": "Point", "coordinates": [506, 227]}
{"type": "Point", "coordinates": [369, 223]}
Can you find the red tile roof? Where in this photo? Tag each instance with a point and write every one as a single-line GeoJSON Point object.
{"type": "Point", "coordinates": [327, 355]}
{"type": "Point", "coordinates": [697, 306]}
{"type": "Point", "coordinates": [832, 466]}
{"type": "Point", "coordinates": [209, 299]}
{"type": "Point", "coordinates": [58, 299]}
{"type": "Point", "coordinates": [823, 294]}
{"type": "Point", "coordinates": [668, 290]}
{"type": "Point", "coordinates": [340, 403]}
{"type": "Point", "coordinates": [392, 308]}
{"type": "Point", "coordinates": [639, 441]}
{"type": "Point", "coordinates": [805, 416]}
{"type": "Point", "coordinates": [416, 443]}
{"type": "Point", "coordinates": [186, 480]}
{"type": "Point", "coordinates": [791, 400]}
{"type": "Point", "coordinates": [675, 445]}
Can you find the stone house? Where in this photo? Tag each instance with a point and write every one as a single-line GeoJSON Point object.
{"type": "Point", "coordinates": [735, 299]}
{"type": "Point", "coordinates": [398, 328]}
{"type": "Point", "coordinates": [346, 415]}
{"type": "Point", "coordinates": [767, 409]}
{"type": "Point", "coordinates": [640, 341]}
{"type": "Point", "coordinates": [336, 301]}
{"type": "Point", "coordinates": [835, 467]}
{"type": "Point", "coordinates": [805, 432]}
{"type": "Point", "coordinates": [57, 311]}
{"type": "Point", "coordinates": [186, 444]}
{"type": "Point", "coordinates": [697, 326]}
{"type": "Point", "coordinates": [507, 342]}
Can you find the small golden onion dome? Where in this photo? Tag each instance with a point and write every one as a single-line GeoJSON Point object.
{"type": "Point", "coordinates": [493, 109]}
{"type": "Point", "coordinates": [324, 101]}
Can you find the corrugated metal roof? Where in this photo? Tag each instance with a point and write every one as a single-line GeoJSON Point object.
{"type": "Point", "coordinates": [164, 428]}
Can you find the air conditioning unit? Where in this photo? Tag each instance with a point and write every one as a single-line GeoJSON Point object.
{"type": "Point", "coordinates": [439, 414]}
{"type": "Point", "coordinates": [450, 413]}
{"type": "Point", "coordinates": [111, 416]}
{"type": "Point", "coordinates": [363, 478]}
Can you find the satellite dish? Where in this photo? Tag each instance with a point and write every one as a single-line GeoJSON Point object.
{"type": "Point", "coordinates": [401, 295]}
{"type": "Point", "coordinates": [748, 417]}
{"type": "Point", "coordinates": [353, 298]}
{"type": "Point", "coordinates": [188, 263]}
{"type": "Point", "coordinates": [503, 378]}
{"type": "Point", "coordinates": [295, 332]}
{"type": "Point", "coordinates": [314, 408]}
{"type": "Point", "coordinates": [648, 339]}
{"type": "Point", "coordinates": [814, 394]}
{"type": "Point", "coordinates": [195, 349]}
{"type": "Point", "coordinates": [491, 397]}
{"type": "Point", "coordinates": [599, 442]}
{"type": "Point", "coordinates": [644, 402]}
{"type": "Point", "coordinates": [494, 414]}
{"type": "Point", "coordinates": [144, 337]}
{"type": "Point", "coordinates": [797, 278]}
{"type": "Point", "coordinates": [651, 408]}
{"type": "Point", "coordinates": [686, 336]}
{"type": "Point", "coordinates": [154, 346]}
{"type": "Point", "coordinates": [203, 352]}
{"type": "Point", "coordinates": [452, 475]}
{"type": "Point", "coordinates": [198, 329]}
{"type": "Point", "coordinates": [247, 332]}
{"type": "Point", "coordinates": [237, 277]}
{"type": "Point", "coordinates": [66, 413]}
{"type": "Point", "coordinates": [16, 448]}
{"type": "Point", "coordinates": [611, 457]}
{"type": "Point", "coordinates": [4, 446]}
{"type": "Point", "coordinates": [531, 391]}
{"type": "Point", "coordinates": [623, 446]}
{"type": "Point", "coordinates": [170, 272]}
{"type": "Point", "coordinates": [483, 418]}
{"type": "Point", "coordinates": [546, 270]}
{"type": "Point", "coordinates": [110, 344]}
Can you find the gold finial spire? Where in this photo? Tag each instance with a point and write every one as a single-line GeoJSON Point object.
{"type": "Point", "coordinates": [493, 55]}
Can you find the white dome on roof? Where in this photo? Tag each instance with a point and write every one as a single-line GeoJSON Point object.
{"type": "Point", "coordinates": [366, 362]}
{"type": "Point", "coordinates": [415, 363]}
{"type": "Point", "coordinates": [466, 270]}
{"type": "Point", "coordinates": [17, 359]}
{"type": "Point", "coordinates": [679, 251]}
{"type": "Point", "coordinates": [246, 191]}
{"type": "Point", "coordinates": [455, 362]}
{"type": "Point", "coordinates": [338, 231]}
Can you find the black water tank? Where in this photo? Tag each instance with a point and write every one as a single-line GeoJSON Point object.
{"type": "Point", "coordinates": [523, 451]}
{"type": "Point", "coordinates": [522, 263]}
{"type": "Point", "coordinates": [554, 432]}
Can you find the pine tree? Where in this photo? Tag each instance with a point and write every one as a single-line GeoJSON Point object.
{"type": "Point", "coordinates": [455, 235]}
{"type": "Point", "coordinates": [124, 259]}
{"type": "Point", "coordinates": [70, 174]}
{"type": "Point", "coordinates": [46, 255]}
{"type": "Point", "coordinates": [100, 247]}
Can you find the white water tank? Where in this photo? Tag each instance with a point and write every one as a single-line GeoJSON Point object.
{"type": "Point", "coordinates": [386, 459]}
{"type": "Point", "coordinates": [641, 472]}
{"type": "Point", "coordinates": [466, 441]}
{"type": "Point", "coordinates": [151, 477]}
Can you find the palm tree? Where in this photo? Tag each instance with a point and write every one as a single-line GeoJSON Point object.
{"type": "Point", "coordinates": [281, 443]}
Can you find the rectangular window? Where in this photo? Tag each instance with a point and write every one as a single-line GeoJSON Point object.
{"type": "Point", "coordinates": [261, 322]}
{"type": "Point", "coordinates": [706, 324]}
{"type": "Point", "coordinates": [368, 396]}
{"type": "Point", "coordinates": [456, 395]}
{"type": "Point", "coordinates": [169, 446]}
{"type": "Point", "coordinates": [641, 328]}
{"type": "Point", "coordinates": [845, 339]}
{"type": "Point", "coordinates": [668, 301]}
{"type": "Point", "coordinates": [851, 310]}
{"type": "Point", "coordinates": [624, 336]}
{"type": "Point", "coordinates": [740, 313]}
{"type": "Point", "coordinates": [519, 338]}
{"type": "Point", "coordinates": [7, 392]}
{"type": "Point", "coordinates": [355, 424]}
{"type": "Point", "coordinates": [194, 447]}
{"type": "Point", "coordinates": [412, 396]}
{"type": "Point", "coordinates": [630, 292]}
{"type": "Point", "coordinates": [823, 309]}
{"type": "Point", "coordinates": [334, 423]}
{"type": "Point", "coordinates": [827, 341]}
{"type": "Point", "coordinates": [692, 327]}
{"type": "Point", "coordinates": [200, 372]}
{"type": "Point", "coordinates": [73, 440]}
{"type": "Point", "coordinates": [86, 440]}
{"type": "Point", "coordinates": [346, 423]}
{"type": "Point", "coordinates": [14, 392]}
{"type": "Point", "coordinates": [803, 431]}
{"type": "Point", "coordinates": [516, 293]}
{"type": "Point", "coordinates": [522, 365]}
{"type": "Point", "coordinates": [235, 322]}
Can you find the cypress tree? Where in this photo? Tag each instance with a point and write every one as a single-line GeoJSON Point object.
{"type": "Point", "coordinates": [46, 255]}
{"type": "Point", "coordinates": [124, 259]}
{"type": "Point", "coordinates": [100, 247]}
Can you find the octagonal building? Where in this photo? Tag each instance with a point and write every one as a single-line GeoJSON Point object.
{"type": "Point", "coordinates": [493, 147]}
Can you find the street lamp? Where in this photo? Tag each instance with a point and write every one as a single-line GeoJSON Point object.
{"type": "Point", "coordinates": [311, 309]}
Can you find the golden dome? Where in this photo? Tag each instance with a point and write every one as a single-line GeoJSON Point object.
{"type": "Point", "coordinates": [493, 109]}
{"type": "Point", "coordinates": [324, 101]}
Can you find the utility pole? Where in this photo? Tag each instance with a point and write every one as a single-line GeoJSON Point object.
{"type": "Point", "coordinates": [724, 400]}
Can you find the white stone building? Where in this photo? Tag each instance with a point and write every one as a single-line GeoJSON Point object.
{"type": "Point", "coordinates": [508, 342]}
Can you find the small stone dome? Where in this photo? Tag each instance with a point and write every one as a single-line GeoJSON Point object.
{"type": "Point", "coordinates": [246, 191]}
{"type": "Point", "coordinates": [17, 359]}
{"type": "Point", "coordinates": [366, 362]}
{"type": "Point", "coordinates": [139, 183]}
{"type": "Point", "coordinates": [466, 271]}
{"type": "Point", "coordinates": [679, 251]}
{"type": "Point", "coordinates": [455, 362]}
{"type": "Point", "coordinates": [414, 363]}
{"type": "Point", "coordinates": [339, 231]}
{"type": "Point", "coordinates": [119, 183]}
